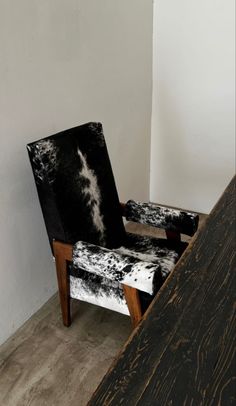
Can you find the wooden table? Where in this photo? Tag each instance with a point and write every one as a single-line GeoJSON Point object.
{"type": "Point", "coordinates": [183, 351]}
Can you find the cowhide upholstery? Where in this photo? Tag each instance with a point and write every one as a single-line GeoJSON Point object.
{"type": "Point", "coordinates": [162, 217]}
{"type": "Point", "coordinates": [116, 266]}
{"type": "Point", "coordinates": [80, 206]}
{"type": "Point", "coordinates": [159, 251]}
{"type": "Point", "coordinates": [76, 187]}
{"type": "Point", "coordinates": [141, 262]}
{"type": "Point", "coordinates": [97, 290]}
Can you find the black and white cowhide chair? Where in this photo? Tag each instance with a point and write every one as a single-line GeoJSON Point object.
{"type": "Point", "coordinates": [97, 261]}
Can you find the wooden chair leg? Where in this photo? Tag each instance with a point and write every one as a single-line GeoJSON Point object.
{"type": "Point", "coordinates": [133, 303]}
{"type": "Point", "coordinates": [63, 253]}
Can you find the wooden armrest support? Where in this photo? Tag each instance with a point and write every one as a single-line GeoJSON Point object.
{"type": "Point", "coordinates": [62, 249]}
{"type": "Point", "coordinates": [173, 235]}
{"type": "Point", "coordinates": [63, 253]}
{"type": "Point", "coordinates": [122, 206]}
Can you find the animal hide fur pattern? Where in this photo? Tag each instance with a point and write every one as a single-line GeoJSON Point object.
{"type": "Point", "coordinates": [162, 217]}
{"type": "Point", "coordinates": [159, 251]}
{"type": "Point", "coordinates": [79, 200]}
{"type": "Point", "coordinates": [98, 291]}
{"type": "Point", "coordinates": [76, 187]}
{"type": "Point", "coordinates": [108, 293]}
{"type": "Point", "coordinates": [117, 267]}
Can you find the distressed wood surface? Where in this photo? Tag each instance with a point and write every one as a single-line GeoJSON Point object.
{"type": "Point", "coordinates": [183, 352]}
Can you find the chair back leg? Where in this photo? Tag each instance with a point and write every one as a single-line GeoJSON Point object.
{"type": "Point", "coordinates": [63, 254]}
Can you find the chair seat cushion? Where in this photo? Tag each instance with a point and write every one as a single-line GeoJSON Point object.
{"type": "Point", "coordinates": [159, 251]}
{"type": "Point", "coordinates": [113, 265]}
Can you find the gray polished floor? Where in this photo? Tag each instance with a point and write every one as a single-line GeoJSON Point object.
{"type": "Point", "coordinates": [47, 364]}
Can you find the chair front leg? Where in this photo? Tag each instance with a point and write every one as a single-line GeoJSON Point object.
{"type": "Point", "coordinates": [63, 253]}
{"type": "Point", "coordinates": [133, 303]}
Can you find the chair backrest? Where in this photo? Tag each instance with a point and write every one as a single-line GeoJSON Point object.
{"type": "Point", "coordinates": [76, 187]}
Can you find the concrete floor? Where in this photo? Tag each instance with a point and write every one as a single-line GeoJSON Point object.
{"type": "Point", "coordinates": [47, 364]}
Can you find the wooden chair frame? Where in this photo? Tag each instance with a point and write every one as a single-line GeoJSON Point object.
{"type": "Point", "coordinates": [63, 255]}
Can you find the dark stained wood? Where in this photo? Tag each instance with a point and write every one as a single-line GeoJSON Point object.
{"type": "Point", "coordinates": [122, 206]}
{"type": "Point", "coordinates": [183, 351]}
{"type": "Point", "coordinates": [171, 235]}
{"type": "Point", "coordinates": [63, 254]}
{"type": "Point", "coordinates": [133, 303]}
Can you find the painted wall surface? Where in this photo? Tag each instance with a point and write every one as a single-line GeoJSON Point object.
{"type": "Point", "coordinates": [64, 63]}
{"type": "Point", "coordinates": [193, 136]}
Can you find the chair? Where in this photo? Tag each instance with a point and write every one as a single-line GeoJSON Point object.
{"type": "Point", "coordinates": [96, 259]}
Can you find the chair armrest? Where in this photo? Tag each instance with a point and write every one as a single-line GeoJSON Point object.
{"type": "Point", "coordinates": [130, 271]}
{"type": "Point", "coordinates": [162, 217]}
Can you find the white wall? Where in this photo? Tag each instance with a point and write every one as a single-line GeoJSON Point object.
{"type": "Point", "coordinates": [64, 63]}
{"type": "Point", "coordinates": [192, 147]}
